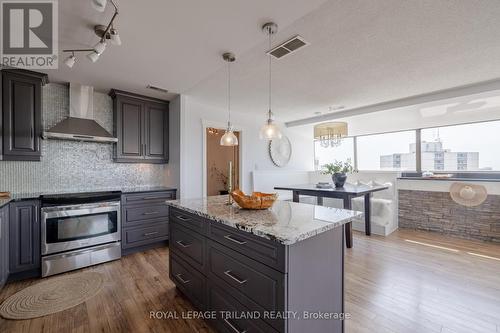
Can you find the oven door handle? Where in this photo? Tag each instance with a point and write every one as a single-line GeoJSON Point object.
{"type": "Point", "coordinates": [66, 211]}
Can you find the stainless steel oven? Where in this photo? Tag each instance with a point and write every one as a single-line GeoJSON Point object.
{"type": "Point", "coordinates": [79, 230]}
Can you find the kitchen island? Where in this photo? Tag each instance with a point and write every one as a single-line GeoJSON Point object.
{"type": "Point", "coordinates": [276, 270]}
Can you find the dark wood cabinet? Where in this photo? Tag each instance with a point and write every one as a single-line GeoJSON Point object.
{"type": "Point", "coordinates": [145, 220]}
{"type": "Point", "coordinates": [24, 236]}
{"type": "Point", "coordinates": [22, 114]}
{"type": "Point", "coordinates": [4, 245]}
{"type": "Point", "coordinates": [141, 126]}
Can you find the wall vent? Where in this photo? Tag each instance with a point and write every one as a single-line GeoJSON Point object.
{"type": "Point", "coordinates": [157, 88]}
{"type": "Point", "coordinates": [288, 47]}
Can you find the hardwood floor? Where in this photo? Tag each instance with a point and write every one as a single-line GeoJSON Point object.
{"type": "Point", "coordinates": [407, 282]}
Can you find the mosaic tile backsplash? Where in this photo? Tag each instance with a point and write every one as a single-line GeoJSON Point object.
{"type": "Point", "coordinates": [76, 166]}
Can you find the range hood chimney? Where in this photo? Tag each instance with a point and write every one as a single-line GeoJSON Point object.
{"type": "Point", "coordinates": [80, 125]}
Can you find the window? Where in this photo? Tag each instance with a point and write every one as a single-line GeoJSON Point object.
{"type": "Point", "coordinates": [389, 151]}
{"type": "Point", "coordinates": [343, 152]}
{"type": "Point", "coordinates": [470, 147]}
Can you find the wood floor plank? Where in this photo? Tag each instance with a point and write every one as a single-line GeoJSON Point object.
{"type": "Point", "coordinates": [409, 282]}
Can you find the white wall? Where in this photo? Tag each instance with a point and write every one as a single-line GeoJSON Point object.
{"type": "Point", "coordinates": [255, 155]}
{"type": "Point", "coordinates": [173, 166]}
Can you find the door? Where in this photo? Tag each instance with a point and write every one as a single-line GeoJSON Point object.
{"type": "Point", "coordinates": [156, 132]}
{"type": "Point", "coordinates": [130, 146]}
{"type": "Point", "coordinates": [218, 160]}
{"type": "Point", "coordinates": [24, 236]}
{"type": "Point", "coordinates": [22, 117]}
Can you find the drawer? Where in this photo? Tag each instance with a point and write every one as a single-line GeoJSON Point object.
{"type": "Point", "coordinates": [147, 198]}
{"type": "Point", "coordinates": [189, 281]}
{"type": "Point", "coordinates": [188, 245]}
{"type": "Point", "coordinates": [189, 220]}
{"type": "Point", "coordinates": [144, 214]}
{"type": "Point", "coordinates": [262, 250]}
{"type": "Point", "coordinates": [257, 282]}
{"type": "Point", "coordinates": [132, 237]}
{"type": "Point", "coordinates": [222, 302]}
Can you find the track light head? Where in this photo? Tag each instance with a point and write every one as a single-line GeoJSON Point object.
{"type": "Point", "coordinates": [115, 37]}
{"type": "Point", "coordinates": [93, 56]}
{"type": "Point", "coordinates": [70, 61]}
{"type": "Point", "coordinates": [100, 47]}
{"type": "Point", "coordinates": [99, 5]}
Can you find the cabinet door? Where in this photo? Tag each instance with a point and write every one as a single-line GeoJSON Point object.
{"type": "Point", "coordinates": [24, 236]}
{"type": "Point", "coordinates": [156, 132]}
{"type": "Point", "coordinates": [22, 115]}
{"type": "Point", "coordinates": [4, 245]}
{"type": "Point", "coordinates": [129, 129]}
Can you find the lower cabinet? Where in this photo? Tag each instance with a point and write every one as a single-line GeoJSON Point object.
{"type": "Point", "coordinates": [227, 279]}
{"type": "Point", "coordinates": [24, 236]}
{"type": "Point", "coordinates": [144, 220]}
{"type": "Point", "coordinates": [4, 245]}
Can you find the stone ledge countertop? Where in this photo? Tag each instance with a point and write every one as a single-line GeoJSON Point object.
{"type": "Point", "coordinates": [286, 222]}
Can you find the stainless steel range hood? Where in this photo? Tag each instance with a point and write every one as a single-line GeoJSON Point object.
{"type": "Point", "coordinates": [80, 125]}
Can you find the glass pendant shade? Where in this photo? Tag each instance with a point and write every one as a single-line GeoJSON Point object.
{"type": "Point", "coordinates": [229, 138]}
{"type": "Point", "coordinates": [270, 131]}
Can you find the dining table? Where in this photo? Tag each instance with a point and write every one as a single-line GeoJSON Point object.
{"type": "Point", "coordinates": [346, 193]}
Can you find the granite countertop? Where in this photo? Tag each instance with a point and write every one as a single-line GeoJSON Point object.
{"type": "Point", "coordinates": [286, 222]}
{"type": "Point", "coordinates": [36, 195]}
{"type": "Point", "coordinates": [4, 201]}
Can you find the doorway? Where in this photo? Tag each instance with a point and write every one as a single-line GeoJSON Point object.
{"type": "Point", "coordinates": [217, 162]}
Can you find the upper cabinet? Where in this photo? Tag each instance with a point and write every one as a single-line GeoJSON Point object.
{"type": "Point", "coordinates": [21, 115]}
{"type": "Point", "coordinates": [141, 126]}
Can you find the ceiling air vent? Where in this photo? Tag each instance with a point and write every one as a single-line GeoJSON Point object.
{"type": "Point", "coordinates": [288, 47]}
{"type": "Point", "coordinates": [157, 88]}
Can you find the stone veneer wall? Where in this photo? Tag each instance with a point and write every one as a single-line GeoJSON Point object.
{"type": "Point", "coordinates": [76, 166]}
{"type": "Point", "coordinates": [436, 211]}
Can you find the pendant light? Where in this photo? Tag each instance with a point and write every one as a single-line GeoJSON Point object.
{"type": "Point", "coordinates": [270, 130]}
{"type": "Point", "coordinates": [229, 139]}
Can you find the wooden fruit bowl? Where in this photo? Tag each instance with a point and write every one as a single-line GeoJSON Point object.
{"type": "Point", "coordinates": [257, 200]}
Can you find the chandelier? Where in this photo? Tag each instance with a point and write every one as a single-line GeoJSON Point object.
{"type": "Point", "coordinates": [330, 134]}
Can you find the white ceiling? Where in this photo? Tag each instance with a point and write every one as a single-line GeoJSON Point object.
{"type": "Point", "coordinates": [364, 52]}
{"type": "Point", "coordinates": [169, 43]}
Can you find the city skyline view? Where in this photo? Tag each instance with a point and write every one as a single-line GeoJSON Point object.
{"type": "Point", "coordinates": [481, 142]}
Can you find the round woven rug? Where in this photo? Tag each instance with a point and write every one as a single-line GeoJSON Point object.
{"type": "Point", "coordinates": [51, 296]}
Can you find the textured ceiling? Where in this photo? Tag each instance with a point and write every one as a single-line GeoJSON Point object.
{"type": "Point", "coordinates": [364, 52]}
{"type": "Point", "coordinates": [169, 43]}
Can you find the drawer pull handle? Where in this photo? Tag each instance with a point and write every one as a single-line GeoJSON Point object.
{"type": "Point", "coordinates": [150, 233]}
{"type": "Point", "coordinates": [150, 213]}
{"type": "Point", "coordinates": [228, 273]}
{"type": "Point", "coordinates": [234, 240]}
{"type": "Point", "coordinates": [179, 276]}
{"type": "Point", "coordinates": [154, 198]}
{"type": "Point", "coordinates": [182, 218]}
{"type": "Point", "coordinates": [181, 243]}
{"type": "Point", "coordinates": [233, 327]}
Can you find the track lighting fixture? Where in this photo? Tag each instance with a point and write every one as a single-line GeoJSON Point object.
{"type": "Point", "coordinates": [70, 61]}
{"type": "Point", "coordinates": [104, 32]}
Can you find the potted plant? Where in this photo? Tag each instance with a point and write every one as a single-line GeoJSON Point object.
{"type": "Point", "coordinates": [338, 170]}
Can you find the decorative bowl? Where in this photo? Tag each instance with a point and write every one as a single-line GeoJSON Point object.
{"type": "Point", "coordinates": [257, 200]}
